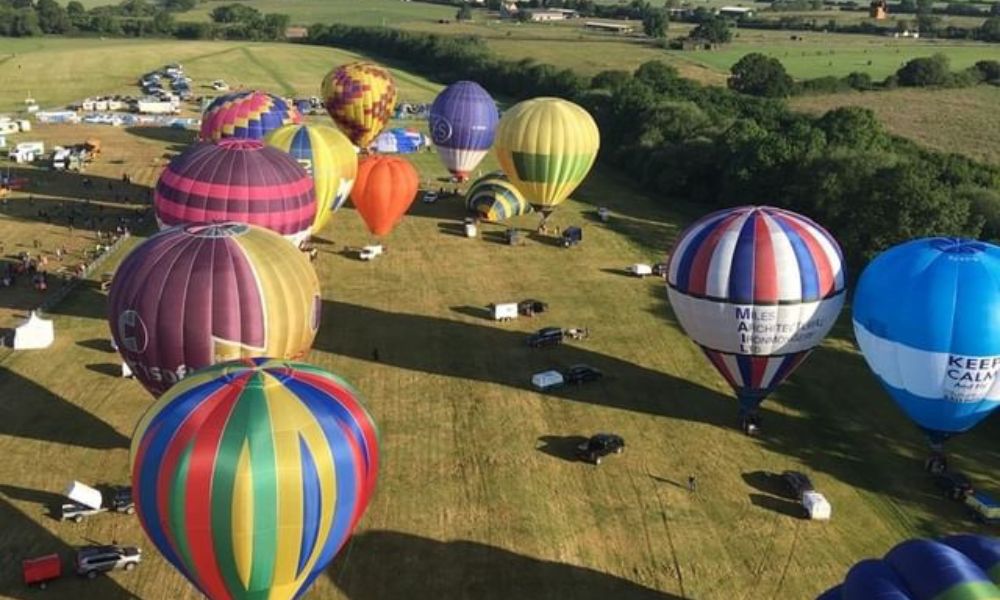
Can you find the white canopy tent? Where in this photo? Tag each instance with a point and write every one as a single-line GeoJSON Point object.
{"type": "Point", "coordinates": [34, 334]}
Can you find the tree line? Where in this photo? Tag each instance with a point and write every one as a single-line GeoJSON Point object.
{"type": "Point", "coordinates": [719, 148]}
{"type": "Point", "coordinates": [137, 18]}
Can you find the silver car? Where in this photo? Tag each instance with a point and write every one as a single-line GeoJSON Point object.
{"type": "Point", "coordinates": [91, 561]}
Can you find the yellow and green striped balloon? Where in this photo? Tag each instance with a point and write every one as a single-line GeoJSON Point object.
{"type": "Point", "coordinates": [546, 146]}
{"type": "Point", "coordinates": [329, 158]}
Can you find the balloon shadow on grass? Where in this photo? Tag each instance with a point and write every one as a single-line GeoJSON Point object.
{"type": "Point", "coordinates": [178, 138]}
{"type": "Point", "coordinates": [380, 565]}
{"type": "Point", "coordinates": [28, 410]}
{"type": "Point", "coordinates": [24, 538]}
{"type": "Point", "coordinates": [98, 344]}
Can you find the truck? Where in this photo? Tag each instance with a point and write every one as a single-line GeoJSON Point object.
{"type": "Point", "coordinates": [27, 151]}
{"type": "Point", "coordinates": [156, 107]}
{"type": "Point", "coordinates": [86, 501]}
{"type": "Point", "coordinates": [503, 311]}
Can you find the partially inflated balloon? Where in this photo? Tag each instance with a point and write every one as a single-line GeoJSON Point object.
{"type": "Point", "coordinates": [249, 476]}
{"type": "Point", "coordinates": [494, 198]}
{"type": "Point", "coordinates": [327, 156]}
{"type": "Point", "coordinates": [463, 122]}
{"type": "Point", "coordinates": [958, 567]}
{"type": "Point", "coordinates": [237, 180]}
{"type": "Point", "coordinates": [385, 189]}
{"type": "Point", "coordinates": [927, 319]}
{"type": "Point", "coordinates": [757, 288]}
{"type": "Point", "coordinates": [249, 114]}
{"type": "Point", "coordinates": [192, 296]}
{"type": "Point", "coordinates": [360, 98]}
{"type": "Point", "coordinates": [546, 146]}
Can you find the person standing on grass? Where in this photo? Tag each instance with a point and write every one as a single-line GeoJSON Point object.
{"type": "Point", "coordinates": [375, 354]}
{"type": "Point", "coordinates": [692, 484]}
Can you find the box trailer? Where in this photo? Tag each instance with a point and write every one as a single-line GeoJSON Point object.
{"type": "Point", "coordinates": [639, 269]}
{"type": "Point", "coordinates": [503, 311]}
{"type": "Point", "coordinates": [156, 107]}
{"type": "Point", "coordinates": [42, 569]}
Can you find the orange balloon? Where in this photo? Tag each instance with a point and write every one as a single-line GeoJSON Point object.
{"type": "Point", "coordinates": [383, 191]}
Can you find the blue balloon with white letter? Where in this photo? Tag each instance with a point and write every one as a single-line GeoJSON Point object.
{"type": "Point", "coordinates": [927, 319]}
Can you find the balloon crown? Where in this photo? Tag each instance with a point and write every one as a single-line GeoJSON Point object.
{"type": "Point", "coordinates": [218, 229]}
{"type": "Point", "coordinates": [958, 245]}
{"type": "Point", "coordinates": [239, 144]}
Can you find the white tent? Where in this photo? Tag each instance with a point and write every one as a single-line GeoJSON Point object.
{"type": "Point", "coordinates": [126, 371]}
{"type": "Point", "coordinates": [34, 333]}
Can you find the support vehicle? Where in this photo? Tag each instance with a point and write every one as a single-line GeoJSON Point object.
{"type": "Point", "coordinates": [599, 446]}
{"type": "Point", "coordinates": [91, 561]}
{"type": "Point", "coordinates": [578, 374]}
{"type": "Point", "coordinates": [547, 336]}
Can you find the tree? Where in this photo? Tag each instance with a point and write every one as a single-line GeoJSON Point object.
{"type": "Point", "coordinates": [24, 23]}
{"type": "Point", "coordinates": [760, 75]}
{"type": "Point", "coordinates": [924, 71]}
{"type": "Point", "coordinates": [52, 17]}
{"type": "Point", "coordinates": [21, 4]}
{"type": "Point", "coordinates": [902, 25]}
{"type": "Point", "coordinates": [990, 29]}
{"type": "Point", "coordinates": [853, 127]}
{"type": "Point", "coordinates": [609, 80]}
{"type": "Point", "coordinates": [163, 22]}
{"type": "Point", "coordinates": [928, 23]}
{"type": "Point", "coordinates": [989, 70]}
{"type": "Point", "coordinates": [234, 13]}
{"type": "Point", "coordinates": [654, 23]}
{"type": "Point", "coordinates": [179, 5]}
{"type": "Point", "coordinates": [75, 9]}
{"type": "Point", "coordinates": [925, 7]}
{"type": "Point", "coordinates": [908, 6]}
{"type": "Point", "coordinates": [464, 13]}
{"type": "Point", "coordinates": [274, 25]}
{"type": "Point", "coordinates": [995, 9]}
{"type": "Point", "coordinates": [715, 30]}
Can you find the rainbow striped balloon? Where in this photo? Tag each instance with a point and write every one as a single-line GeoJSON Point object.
{"type": "Point", "coordinates": [249, 476]}
{"type": "Point", "coordinates": [249, 114]}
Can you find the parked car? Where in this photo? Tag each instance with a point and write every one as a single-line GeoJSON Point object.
{"type": "Point", "coordinates": [430, 197]}
{"type": "Point", "coordinates": [582, 374]}
{"type": "Point", "coordinates": [547, 336]}
{"type": "Point", "coordinates": [572, 236]}
{"type": "Point", "coordinates": [91, 561]}
{"type": "Point", "coordinates": [984, 507]}
{"type": "Point", "coordinates": [529, 307]}
{"type": "Point", "coordinates": [599, 446]}
{"type": "Point", "coordinates": [955, 485]}
{"type": "Point", "coordinates": [798, 483]}
{"type": "Point", "coordinates": [661, 269]}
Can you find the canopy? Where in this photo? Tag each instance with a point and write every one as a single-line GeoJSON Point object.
{"type": "Point", "coordinates": [34, 334]}
{"type": "Point", "coordinates": [400, 141]}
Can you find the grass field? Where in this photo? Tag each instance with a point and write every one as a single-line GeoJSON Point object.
{"type": "Point", "coordinates": [59, 71]}
{"type": "Point", "coordinates": [477, 499]}
{"type": "Point", "coordinates": [949, 120]}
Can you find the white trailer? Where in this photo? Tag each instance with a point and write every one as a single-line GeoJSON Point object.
{"type": "Point", "coordinates": [816, 505]}
{"type": "Point", "coordinates": [547, 380]}
{"type": "Point", "coordinates": [503, 311]}
{"type": "Point", "coordinates": [639, 269]}
{"type": "Point", "coordinates": [156, 108]}
{"type": "Point", "coordinates": [370, 252]}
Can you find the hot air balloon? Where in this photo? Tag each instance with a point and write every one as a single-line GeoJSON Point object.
{"type": "Point", "coordinates": [237, 180]}
{"type": "Point", "coordinates": [757, 288]}
{"type": "Point", "coordinates": [250, 114]}
{"type": "Point", "coordinates": [385, 189]}
{"type": "Point", "coordinates": [360, 98]}
{"type": "Point", "coordinates": [327, 156]}
{"type": "Point", "coordinates": [927, 319]}
{"type": "Point", "coordinates": [463, 121]}
{"type": "Point", "coordinates": [195, 295]}
{"type": "Point", "coordinates": [546, 147]}
{"type": "Point", "coordinates": [495, 199]}
{"type": "Point", "coordinates": [957, 567]}
{"type": "Point", "coordinates": [250, 475]}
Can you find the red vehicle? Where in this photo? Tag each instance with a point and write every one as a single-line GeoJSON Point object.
{"type": "Point", "coordinates": [41, 569]}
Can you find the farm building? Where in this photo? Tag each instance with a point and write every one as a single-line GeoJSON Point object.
{"type": "Point", "coordinates": [612, 27]}
{"type": "Point", "coordinates": [735, 11]}
{"type": "Point", "coordinates": [296, 33]}
{"type": "Point", "coordinates": [878, 9]}
{"type": "Point", "coordinates": [538, 15]}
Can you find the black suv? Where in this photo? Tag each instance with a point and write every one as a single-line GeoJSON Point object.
{"type": "Point", "coordinates": [955, 485]}
{"type": "Point", "coordinates": [548, 336]}
{"type": "Point", "coordinates": [599, 446]}
{"type": "Point", "coordinates": [582, 374]}
{"type": "Point", "coordinates": [797, 482]}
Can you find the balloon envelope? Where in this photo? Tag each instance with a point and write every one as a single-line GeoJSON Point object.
{"type": "Point", "coordinates": [757, 288]}
{"type": "Point", "coordinates": [192, 296]}
{"type": "Point", "coordinates": [927, 319]}
{"type": "Point", "coordinates": [360, 98]}
{"type": "Point", "coordinates": [494, 198]}
{"type": "Point", "coordinates": [237, 180]}
{"type": "Point", "coordinates": [327, 156]}
{"type": "Point", "coordinates": [385, 189]}
{"type": "Point", "coordinates": [958, 566]}
{"type": "Point", "coordinates": [546, 146]}
{"type": "Point", "coordinates": [250, 475]}
{"type": "Point", "coordinates": [250, 114]}
{"type": "Point", "coordinates": [463, 121]}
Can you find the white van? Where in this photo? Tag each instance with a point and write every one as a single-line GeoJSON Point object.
{"type": "Point", "coordinates": [547, 380]}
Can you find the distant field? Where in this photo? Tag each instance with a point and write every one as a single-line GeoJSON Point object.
{"type": "Point", "coordinates": [59, 71]}
{"type": "Point", "coordinates": [348, 12]}
{"type": "Point", "coordinates": [822, 54]}
{"type": "Point", "coordinates": [963, 121]}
